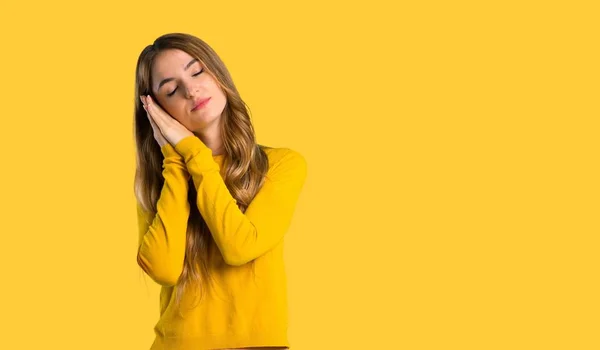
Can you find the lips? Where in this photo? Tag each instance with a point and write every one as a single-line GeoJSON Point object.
{"type": "Point", "coordinates": [199, 103]}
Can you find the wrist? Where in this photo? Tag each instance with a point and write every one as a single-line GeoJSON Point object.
{"type": "Point", "coordinates": [168, 150]}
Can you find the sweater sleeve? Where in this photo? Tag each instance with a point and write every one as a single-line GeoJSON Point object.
{"type": "Point", "coordinates": [162, 239]}
{"type": "Point", "coordinates": [244, 236]}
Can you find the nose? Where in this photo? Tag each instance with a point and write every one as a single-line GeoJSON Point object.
{"type": "Point", "coordinates": [191, 90]}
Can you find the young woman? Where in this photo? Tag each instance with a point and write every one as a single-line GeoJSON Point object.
{"type": "Point", "coordinates": [213, 205]}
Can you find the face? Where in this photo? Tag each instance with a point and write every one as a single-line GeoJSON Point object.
{"type": "Point", "coordinates": [180, 83]}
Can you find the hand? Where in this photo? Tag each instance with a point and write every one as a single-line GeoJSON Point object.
{"type": "Point", "coordinates": [158, 136]}
{"type": "Point", "coordinates": [172, 130]}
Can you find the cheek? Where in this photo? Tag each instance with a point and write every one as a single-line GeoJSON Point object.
{"type": "Point", "coordinates": [221, 97]}
{"type": "Point", "coordinates": [222, 101]}
{"type": "Point", "coordinates": [175, 107]}
{"type": "Point", "coordinates": [215, 91]}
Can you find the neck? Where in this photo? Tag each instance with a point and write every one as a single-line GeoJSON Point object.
{"type": "Point", "coordinates": [211, 137]}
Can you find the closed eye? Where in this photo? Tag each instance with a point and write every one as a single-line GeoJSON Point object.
{"type": "Point", "coordinates": [194, 75]}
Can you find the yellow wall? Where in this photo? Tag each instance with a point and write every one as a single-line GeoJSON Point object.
{"type": "Point", "coordinates": [452, 197]}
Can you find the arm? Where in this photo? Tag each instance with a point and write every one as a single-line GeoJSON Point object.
{"type": "Point", "coordinates": [162, 239]}
{"type": "Point", "coordinates": [242, 237]}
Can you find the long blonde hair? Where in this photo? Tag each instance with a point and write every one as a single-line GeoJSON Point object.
{"type": "Point", "coordinates": [245, 162]}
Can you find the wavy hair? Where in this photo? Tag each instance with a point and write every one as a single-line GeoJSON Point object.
{"type": "Point", "coordinates": [245, 162]}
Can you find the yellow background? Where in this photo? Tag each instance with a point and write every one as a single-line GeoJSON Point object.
{"type": "Point", "coordinates": [452, 200]}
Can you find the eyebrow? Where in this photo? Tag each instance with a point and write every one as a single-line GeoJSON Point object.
{"type": "Point", "coordinates": [164, 81]}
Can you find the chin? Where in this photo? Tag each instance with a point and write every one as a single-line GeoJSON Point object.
{"type": "Point", "coordinates": [203, 122]}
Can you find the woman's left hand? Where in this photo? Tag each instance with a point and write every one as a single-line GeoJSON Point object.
{"type": "Point", "coordinates": [171, 129]}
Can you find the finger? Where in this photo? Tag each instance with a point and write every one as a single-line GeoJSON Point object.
{"type": "Point", "coordinates": [150, 110]}
{"type": "Point", "coordinates": [156, 130]}
{"type": "Point", "coordinates": [144, 100]}
{"type": "Point", "coordinates": [155, 126]}
{"type": "Point", "coordinates": [149, 114]}
{"type": "Point", "coordinates": [158, 114]}
{"type": "Point", "coordinates": [152, 123]}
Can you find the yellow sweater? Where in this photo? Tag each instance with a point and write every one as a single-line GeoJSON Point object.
{"type": "Point", "coordinates": [243, 308]}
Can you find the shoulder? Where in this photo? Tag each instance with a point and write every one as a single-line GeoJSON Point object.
{"type": "Point", "coordinates": [285, 161]}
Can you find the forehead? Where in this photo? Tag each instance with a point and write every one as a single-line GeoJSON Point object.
{"type": "Point", "coordinates": [167, 63]}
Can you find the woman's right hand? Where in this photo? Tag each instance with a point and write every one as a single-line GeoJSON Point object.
{"type": "Point", "coordinates": [158, 136]}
